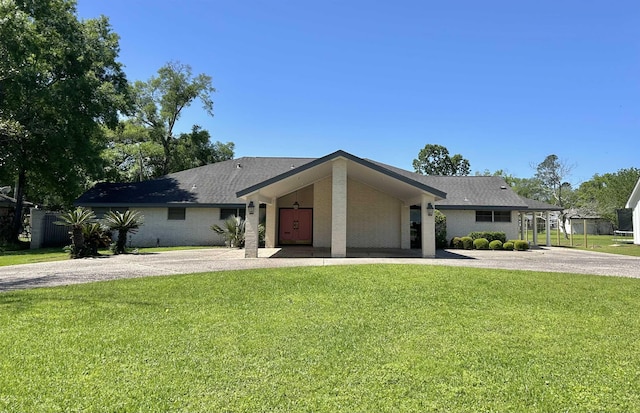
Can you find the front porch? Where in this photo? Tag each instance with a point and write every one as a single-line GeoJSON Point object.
{"type": "Point", "coordinates": [343, 206]}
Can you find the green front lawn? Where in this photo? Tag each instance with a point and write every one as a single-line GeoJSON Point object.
{"type": "Point", "coordinates": [57, 254]}
{"type": "Point", "coordinates": [32, 256]}
{"type": "Point", "coordinates": [383, 338]}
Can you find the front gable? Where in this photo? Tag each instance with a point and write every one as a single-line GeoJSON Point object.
{"type": "Point", "coordinates": [399, 186]}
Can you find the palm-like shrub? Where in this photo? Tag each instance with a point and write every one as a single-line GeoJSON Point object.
{"type": "Point", "coordinates": [96, 236]}
{"type": "Point", "coordinates": [124, 223]}
{"type": "Point", "coordinates": [232, 230]}
{"type": "Point", "coordinates": [77, 219]}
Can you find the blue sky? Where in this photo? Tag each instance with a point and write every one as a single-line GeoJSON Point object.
{"type": "Point", "coordinates": [504, 83]}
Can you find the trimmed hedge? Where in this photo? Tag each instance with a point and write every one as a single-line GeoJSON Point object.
{"type": "Point", "coordinates": [456, 242]}
{"type": "Point", "coordinates": [521, 245]}
{"type": "Point", "coordinates": [496, 244]}
{"type": "Point", "coordinates": [489, 236]}
{"type": "Point", "coordinates": [508, 246]}
{"type": "Point", "coordinates": [467, 243]}
{"type": "Point", "coordinates": [481, 244]}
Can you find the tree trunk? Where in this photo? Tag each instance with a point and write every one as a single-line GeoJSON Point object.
{"type": "Point", "coordinates": [16, 225]}
{"type": "Point", "coordinates": [121, 244]}
{"type": "Point", "coordinates": [562, 219]}
{"type": "Point", "coordinates": [77, 239]}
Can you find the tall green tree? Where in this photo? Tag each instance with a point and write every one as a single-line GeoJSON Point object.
{"type": "Point", "coordinates": [604, 194]}
{"type": "Point", "coordinates": [59, 81]}
{"type": "Point", "coordinates": [552, 174]}
{"type": "Point", "coordinates": [161, 100]}
{"type": "Point", "coordinates": [435, 160]}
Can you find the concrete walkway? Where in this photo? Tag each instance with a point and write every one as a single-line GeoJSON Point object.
{"type": "Point", "coordinates": [66, 272]}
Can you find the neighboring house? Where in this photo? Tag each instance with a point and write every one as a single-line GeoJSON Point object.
{"type": "Point", "coordinates": [576, 221]}
{"type": "Point", "coordinates": [634, 204]}
{"type": "Point", "coordinates": [338, 201]}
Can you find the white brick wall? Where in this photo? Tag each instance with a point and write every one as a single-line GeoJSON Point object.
{"type": "Point", "coordinates": [194, 230]}
{"type": "Point", "coordinates": [373, 218]}
{"type": "Point", "coordinates": [461, 222]}
{"type": "Point", "coordinates": [322, 213]}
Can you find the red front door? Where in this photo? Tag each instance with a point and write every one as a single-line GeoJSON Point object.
{"type": "Point", "coordinates": [296, 226]}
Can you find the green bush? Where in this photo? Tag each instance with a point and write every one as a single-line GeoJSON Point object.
{"type": "Point", "coordinates": [481, 244]}
{"type": "Point", "coordinates": [521, 245]}
{"type": "Point", "coordinates": [508, 246]}
{"type": "Point", "coordinates": [489, 236]}
{"type": "Point", "coordinates": [467, 243]}
{"type": "Point", "coordinates": [456, 242]}
{"type": "Point", "coordinates": [496, 244]}
{"type": "Point", "coordinates": [441, 229]}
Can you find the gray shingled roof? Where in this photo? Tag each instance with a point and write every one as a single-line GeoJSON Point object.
{"type": "Point", "coordinates": [218, 184]}
{"type": "Point", "coordinates": [210, 185]}
{"type": "Point", "coordinates": [469, 192]}
{"type": "Point", "coordinates": [409, 178]}
{"type": "Point", "coordinates": [476, 192]}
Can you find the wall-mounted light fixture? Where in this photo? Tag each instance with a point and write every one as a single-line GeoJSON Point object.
{"type": "Point", "coordinates": [296, 205]}
{"type": "Point", "coordinates": [251, 208]}
{"type": "Point", "coordinates": [430, 209]}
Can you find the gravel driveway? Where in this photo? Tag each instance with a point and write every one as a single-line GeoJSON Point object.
{"type": "Point", "coordinates": [218, 259]}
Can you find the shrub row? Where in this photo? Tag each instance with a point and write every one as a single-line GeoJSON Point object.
{"type": "Point", "coordinates": [489, 236]}
{"type": "Point", "coordinates": [482, 243]}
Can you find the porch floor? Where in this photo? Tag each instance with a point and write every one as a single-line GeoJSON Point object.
{"type": "Point", "coordinates": [297, 251]}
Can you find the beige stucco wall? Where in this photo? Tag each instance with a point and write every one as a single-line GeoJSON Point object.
{"type": "Point", "coordinates": [195, 229]}
{"type": "Point", "coordinates": [462, 222]}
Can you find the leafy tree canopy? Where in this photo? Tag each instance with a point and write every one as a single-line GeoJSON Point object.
{"type": "Point", "coordinates": [161, 100]}
{"type": "Point", "coordinates": [59, 81]}
{"type": "Point", "coordinates": [604, 194]}
{"type": "Point", "coordinates": [435, 160]}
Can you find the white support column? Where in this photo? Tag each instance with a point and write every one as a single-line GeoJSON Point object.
{"type": "Point", "coordinates": [405, 227]}
{"type": "Point", "coordinates": [547, 228]}
{"type": "Point", "coordinates": [251, 241]}
{"type": "Point", "coordinates": [270, 224]}
{"type": "Point", "coordinates": [522, 224]}
{"type": "Point", "coordinates": [428, 229]}
{"type": "Point", "coordinates": [339, 209]}
{"type": "Point", "coordinates": [535, 228]}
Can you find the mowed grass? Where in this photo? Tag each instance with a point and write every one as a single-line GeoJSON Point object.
{"type": "Point", "coordinates": [58, 254]}
{"type": "Point", "coordinates": [383, 338]}
{"type": "Point", "coordinates": [32, 256]}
